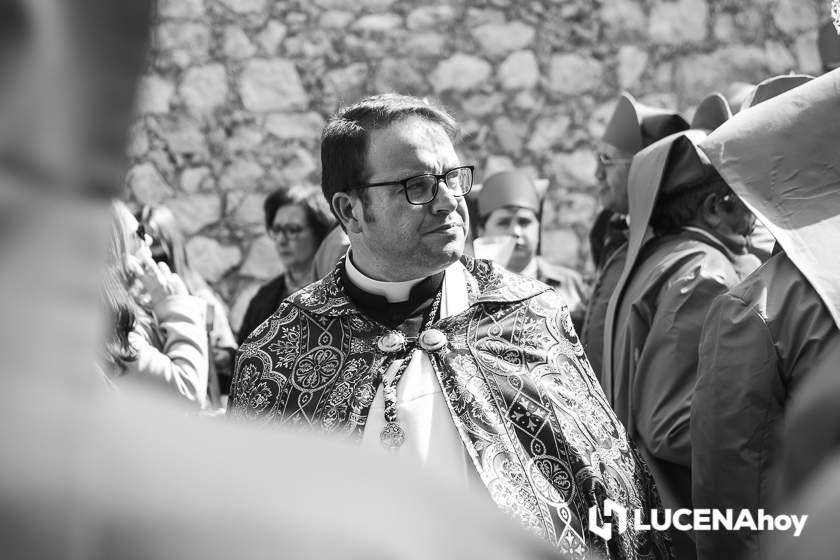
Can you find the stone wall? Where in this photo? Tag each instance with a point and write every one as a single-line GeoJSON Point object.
{"type": "Point", "coordinates": [237, 92]}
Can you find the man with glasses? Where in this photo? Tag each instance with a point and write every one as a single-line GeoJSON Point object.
{"type": "Point", "coordinates": [631, 128]}
{"type": "Point", "coordinates": [412, 349]}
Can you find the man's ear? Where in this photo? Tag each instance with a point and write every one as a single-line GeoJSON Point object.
{"type": "Point", "coordinates": [348, 209]}
{"type": "Point", "coordinates": [710, 211]}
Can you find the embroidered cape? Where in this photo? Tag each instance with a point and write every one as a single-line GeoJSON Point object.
{"type": "Point", "coordinates": [521, 393]}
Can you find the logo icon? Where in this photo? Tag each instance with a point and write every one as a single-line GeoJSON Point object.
{"type": "Point", "coordinates": [613, 510]}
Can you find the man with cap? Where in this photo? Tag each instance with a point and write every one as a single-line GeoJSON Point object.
{"type": "Point", "coordinates": [770, 347]}
{"type": "Point", "coordinates": [510, 206]}
{"type": "Point", "coordinates": [456, 364]}
{"type": "Point", "coordinates": [631, 128]}
{"type": "Point", "coordinates": [688, 244]}
{"type": "Point", "coordinates": [819, 498]}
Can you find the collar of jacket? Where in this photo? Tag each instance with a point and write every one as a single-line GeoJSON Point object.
{"type": "Point", "coordinates": [709, 239]}
{"type": "Point", "coordinates": [487, 283]}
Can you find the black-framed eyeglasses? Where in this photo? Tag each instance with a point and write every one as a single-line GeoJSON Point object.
{"type": "Point", "coordinates": [422, 189]}
{"type": "Point", "coordinates": [607, 160]}
{"type": "Point", "coordinates": [290, 231]}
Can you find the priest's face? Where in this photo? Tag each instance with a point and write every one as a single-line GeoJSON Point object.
{"type": "Point", "coordinates": [392, 239]}
{"type": "Point", "coordinates": [612, 173]}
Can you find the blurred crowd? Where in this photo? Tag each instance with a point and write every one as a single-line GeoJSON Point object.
{"type": "Point", "coordinates": [705, 347]}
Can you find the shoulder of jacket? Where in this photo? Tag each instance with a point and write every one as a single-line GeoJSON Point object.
{"type": "Point", "coordinates": [687, 260]}
{"type": "Point", "coordinates": [496, 284]}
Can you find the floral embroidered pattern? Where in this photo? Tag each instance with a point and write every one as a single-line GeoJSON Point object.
{"type": "Point", "coordinates": [316, 368]}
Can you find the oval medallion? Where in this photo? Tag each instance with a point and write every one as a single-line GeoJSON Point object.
{"type": "Point", "coordinates": [392, 435]}
{"type": "Point", "coordinates": [392, 341]}
{"type": "Point", "coordinates": [432, 340]}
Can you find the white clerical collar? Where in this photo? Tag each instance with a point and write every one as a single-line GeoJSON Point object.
{"type": "Point", "coordinates": [394, 292]}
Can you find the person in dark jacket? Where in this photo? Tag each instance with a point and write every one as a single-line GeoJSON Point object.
{"type": "Point", "coordinates": [764, 415]}
{"type": "Point", "coordinates": [688, 244]}
{"type": "Point", "coordinates": [632, 127]}
{"type": "Point", "coordinates": [298, 220]}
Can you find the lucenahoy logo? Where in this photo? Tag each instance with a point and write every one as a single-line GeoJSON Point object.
{"type": "Point", "coordinates": [690, 520]}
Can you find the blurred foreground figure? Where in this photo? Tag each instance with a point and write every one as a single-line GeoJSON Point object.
{"type": "Point", "coordinates": [129, 478]}
{"type": "Point", "coordinates": [770, 347]}
{"type": "Point", "coordinates": [509, 211]}
{"type": "Point", "coordinates": [631, 128]}
{"type": "Point", "coordinates": [819, 498]}
{"type": "Point", "coordinates": [91, 475]}
{"type": "Point", "coordinates": [411, 349]}
{"type": "Point", "coordinates": [688, 244]}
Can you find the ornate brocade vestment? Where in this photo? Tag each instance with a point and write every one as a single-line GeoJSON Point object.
{"type": "Point", "coordinates": [523, 398]}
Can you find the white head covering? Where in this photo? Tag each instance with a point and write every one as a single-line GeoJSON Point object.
{"type": "Point", "coordinates": [782, 158]}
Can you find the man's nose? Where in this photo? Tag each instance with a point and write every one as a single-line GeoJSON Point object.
{"type": "Point", "coordinates": [444, 201]}
{"type": "Point", "coordinates": [600, 172]}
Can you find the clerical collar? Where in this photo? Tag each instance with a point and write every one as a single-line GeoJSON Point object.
{"type": "Point", "coordinates": [371, 296]}
{"type": "Point", "coordinates": [393, 292]}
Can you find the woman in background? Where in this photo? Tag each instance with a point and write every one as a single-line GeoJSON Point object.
{"type": "Point", "coordinates": [169, 246]}
{"type": "Point", "coordinates": [304, 231]}
{"type": "Point", "coordinates": [164, 349]}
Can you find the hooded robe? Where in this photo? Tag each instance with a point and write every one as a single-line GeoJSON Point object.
{"type": "Point", "coordinates": [769, 353]}
{"type": "Point", "coordinates": [632, 127]}
{"type": "Point", "coordinates": [655, 317]}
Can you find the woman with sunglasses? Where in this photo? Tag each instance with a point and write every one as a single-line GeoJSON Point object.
{"type": "Point", "coordinates": [159, 345]}
{"type": "Point", "coordinates": [169, 246]}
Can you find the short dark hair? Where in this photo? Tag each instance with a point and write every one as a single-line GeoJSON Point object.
{"type": "Point", "coordinates": [672, 212]}
{"type": "Point", "coordinates": [344, 142]}
{"type": "Point", "coordinates": [318, 211]}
